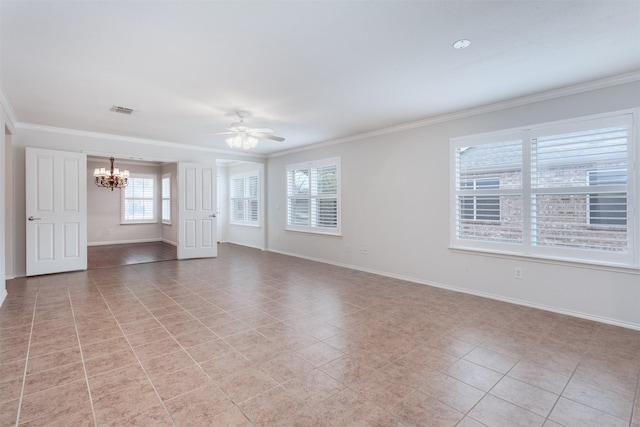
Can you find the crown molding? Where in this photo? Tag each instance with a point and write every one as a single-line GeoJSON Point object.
{"type": "Point", "coordinates": [131, 139]}
{"type": "Point", "coordinates": [489, 108]}
{"type": "Point", "coordinates": [7, 109]}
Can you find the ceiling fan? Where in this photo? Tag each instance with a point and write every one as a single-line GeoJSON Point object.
{"type": "Point", "coordinates": [247, 137]}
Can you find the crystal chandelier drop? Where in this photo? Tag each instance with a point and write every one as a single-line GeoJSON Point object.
{"type": "Point", "coordinates": [113, 178]}
{"type": "Point", "coordinates": [242, 140]}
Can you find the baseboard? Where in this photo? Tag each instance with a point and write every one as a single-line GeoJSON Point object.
{"type": "Point", "coordinates": [124, 242]}
{"type": "Point", "coordinates": [578, 314]}
{"type": "Point", "coordinates": [245, 245]}
{"type": "Point", "coordinates": [169, 242]}
{"type": "Point", "coordinates": [3, 296]}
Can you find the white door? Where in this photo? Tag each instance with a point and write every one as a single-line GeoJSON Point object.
{"type": "Point", "coordinates": [56, 195]}
{"type": "Point", "coordinates": [196, 211]}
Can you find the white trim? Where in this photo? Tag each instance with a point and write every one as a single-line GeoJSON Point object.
{"type": "Point", "coordinates": [489, 108]}
{"type": "Point", "coordinates": [7, 108]}
{"type": "Point", "coordinates": [600, 319]}
{"type": "Point", "coordinates": [126, 242]}
{"type": "Point", "coordinates": [261, 248]}
{"type": "Point", "coordinates": [3, 295]}
{"type": "Point", "coordinates": [502, 105]}
{"type": "Point", "coordinates": [113, 137]}
{"type": "Point", "coordinates": [170, 242]}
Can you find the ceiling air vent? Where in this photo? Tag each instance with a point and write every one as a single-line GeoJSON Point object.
{"type": "Point", "coordinates": [123, 110]}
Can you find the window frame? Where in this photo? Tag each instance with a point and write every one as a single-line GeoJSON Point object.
{"type": "Point", "coordinates": [246, 198]}
{"type": "Point", "coordinates": [154, 199]}
{"type": "Point", "coordinates": [528, 247]}
{"type": "Point", "coordinates": [312, 199]}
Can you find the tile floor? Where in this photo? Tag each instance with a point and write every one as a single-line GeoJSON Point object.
{"type": "Point", "coordinates": [255, 338]}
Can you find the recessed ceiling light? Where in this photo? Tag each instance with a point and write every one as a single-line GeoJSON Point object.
{"type": "Point", "coordinates": [461, 44]}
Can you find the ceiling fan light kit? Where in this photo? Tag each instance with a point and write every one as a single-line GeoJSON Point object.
{"type": "Point", "coordinates": [246, 137]}
{"type": "Point", "coordinates": [242, 140]}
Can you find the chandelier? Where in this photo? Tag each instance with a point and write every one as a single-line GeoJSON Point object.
{"type": "Point", "coordinates": [242, 140]}
{"type": "Point", "coordinates": [113, 178]}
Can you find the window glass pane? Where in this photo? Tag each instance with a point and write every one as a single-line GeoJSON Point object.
{"type": "Point", "coordinates": [298, 211]}
{"type": "Point", "coordinates": [561, 221]}
{"type": "Point", "coordinates": [139, 200]}
{"type": "Point", "coordinates": [244, 199]}
{"type": "Point", "coordinates": [298, 182]}
{"type": "Point", "coordinates": [488, 218]}
{"type": "Point", "coordinates": [564, 160]}
{"type": "Point", "coordinates": [490, 165]}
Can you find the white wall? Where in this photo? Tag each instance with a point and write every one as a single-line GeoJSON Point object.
{"type": "Point", "coordinates": [8, 196]}
{"type": "Point", "coordinates": [241, 234]}
{"type": "Point", "coordinates": [395, 202]}
{"type": "Point", "coordinates": [3, 204]}
{"type": "Point", "coordinates": [103, 209]}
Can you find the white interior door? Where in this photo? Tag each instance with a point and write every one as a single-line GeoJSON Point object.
{"type": "Point", "coordinates": [56, 207]}
{"type": "Point", "coordinates": [197, 211]}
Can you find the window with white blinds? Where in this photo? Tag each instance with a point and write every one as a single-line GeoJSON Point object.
{"type": "Point", "coordinates": [166, 198]}
{"type": "Point", "coordinates": [558, 191]}
{"type": "Point", "coordinates": [139, 200]}
{"type": "Point", "coordinates": [313, 196]}
{"type": "Point", "coordinates": [245, 199]}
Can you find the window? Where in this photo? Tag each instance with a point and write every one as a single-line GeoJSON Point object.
{"type": "Point", "coordinates": [166, 198]}
{"type": "Point", "coordinates": [557, 191]}
{"type": "Point", "coordinates": [139, 200]}
{"type": "Point", "coordinates": [313, 197]}
{"type": "Point", "coordinates": [245, 201]}
{"type": "Point", "coordinates": [480, 208]}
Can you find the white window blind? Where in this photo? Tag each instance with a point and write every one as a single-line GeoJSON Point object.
{"type": "Point", "coordinates": [579, 189]}
{"type": "Point", "coordinates": [244, 199]}
{"type": "Point", "coordinates": [313, 196]}
{"type": "Point", "coordinates": [560, 191]}
{"type": "Point", "coordinates": [166, 198]}
{"type": "Point", "coordinates": [139, 200]}
{"type": "Point", "coordinates": [489, 192]}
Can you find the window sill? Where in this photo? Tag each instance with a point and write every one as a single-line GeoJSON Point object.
{"type": "Point", "coordinates": [239, 224]}
{"type": "Point", "coordinates": [314, 231]}
{"type": "Point", "coordinates": [139, 222]}
{"type": "Point", "coordinates": [618, 268]}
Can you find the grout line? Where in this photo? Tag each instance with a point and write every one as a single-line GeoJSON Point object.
{"type": "Point", "coordinates": [134, 353]}
{"type": "Point", "coordinates": [84, 368]}
{"type": "Point", "coordinates": [26, 362]}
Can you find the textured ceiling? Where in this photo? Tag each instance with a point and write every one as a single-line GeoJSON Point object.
{"type": "Point", "coordinates": [311, 70]}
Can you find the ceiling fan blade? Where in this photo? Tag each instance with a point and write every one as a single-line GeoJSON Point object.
{"type": "Point", "coordinates": [262, 130]}
{"type": "Point", "coordinates": [266, 136]}
{"type": "Point", "coordinates": [229, 132]}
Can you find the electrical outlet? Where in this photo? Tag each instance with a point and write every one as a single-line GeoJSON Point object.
{"type": "Point", "coordinates": [363, 250]}
{"type": "Point", "coordinates": [108, 232]}
{"type": "Point", "coordinates": [517, 274]}
{"type": "Point", "coordinates": [348, 249]}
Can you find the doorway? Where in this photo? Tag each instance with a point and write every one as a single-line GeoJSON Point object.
{"type": "Point", "coordinates": [113, 242]}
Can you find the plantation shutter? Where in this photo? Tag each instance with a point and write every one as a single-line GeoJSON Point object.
{"type": "Point", "coordinates": [166, 198]}
{"type": "Point", "coordinates": [245, 196]}
{"type": "Point", "coordinates": [313, 193]}
{"type": "Point", "coordinates": [579, 189]}
{"type": "Point", "coordinates": [489, 192]}
{"type": "Point", "coordinates": [138, 202]}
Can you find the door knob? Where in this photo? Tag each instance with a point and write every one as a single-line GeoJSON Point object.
{"type": "Point", "coordinates": [31, 218]}
{"type": "Point", "coordinates": [212, 215]}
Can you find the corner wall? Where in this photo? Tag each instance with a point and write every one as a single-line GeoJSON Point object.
{"type": "Point", "coordinates": [395, 202]}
